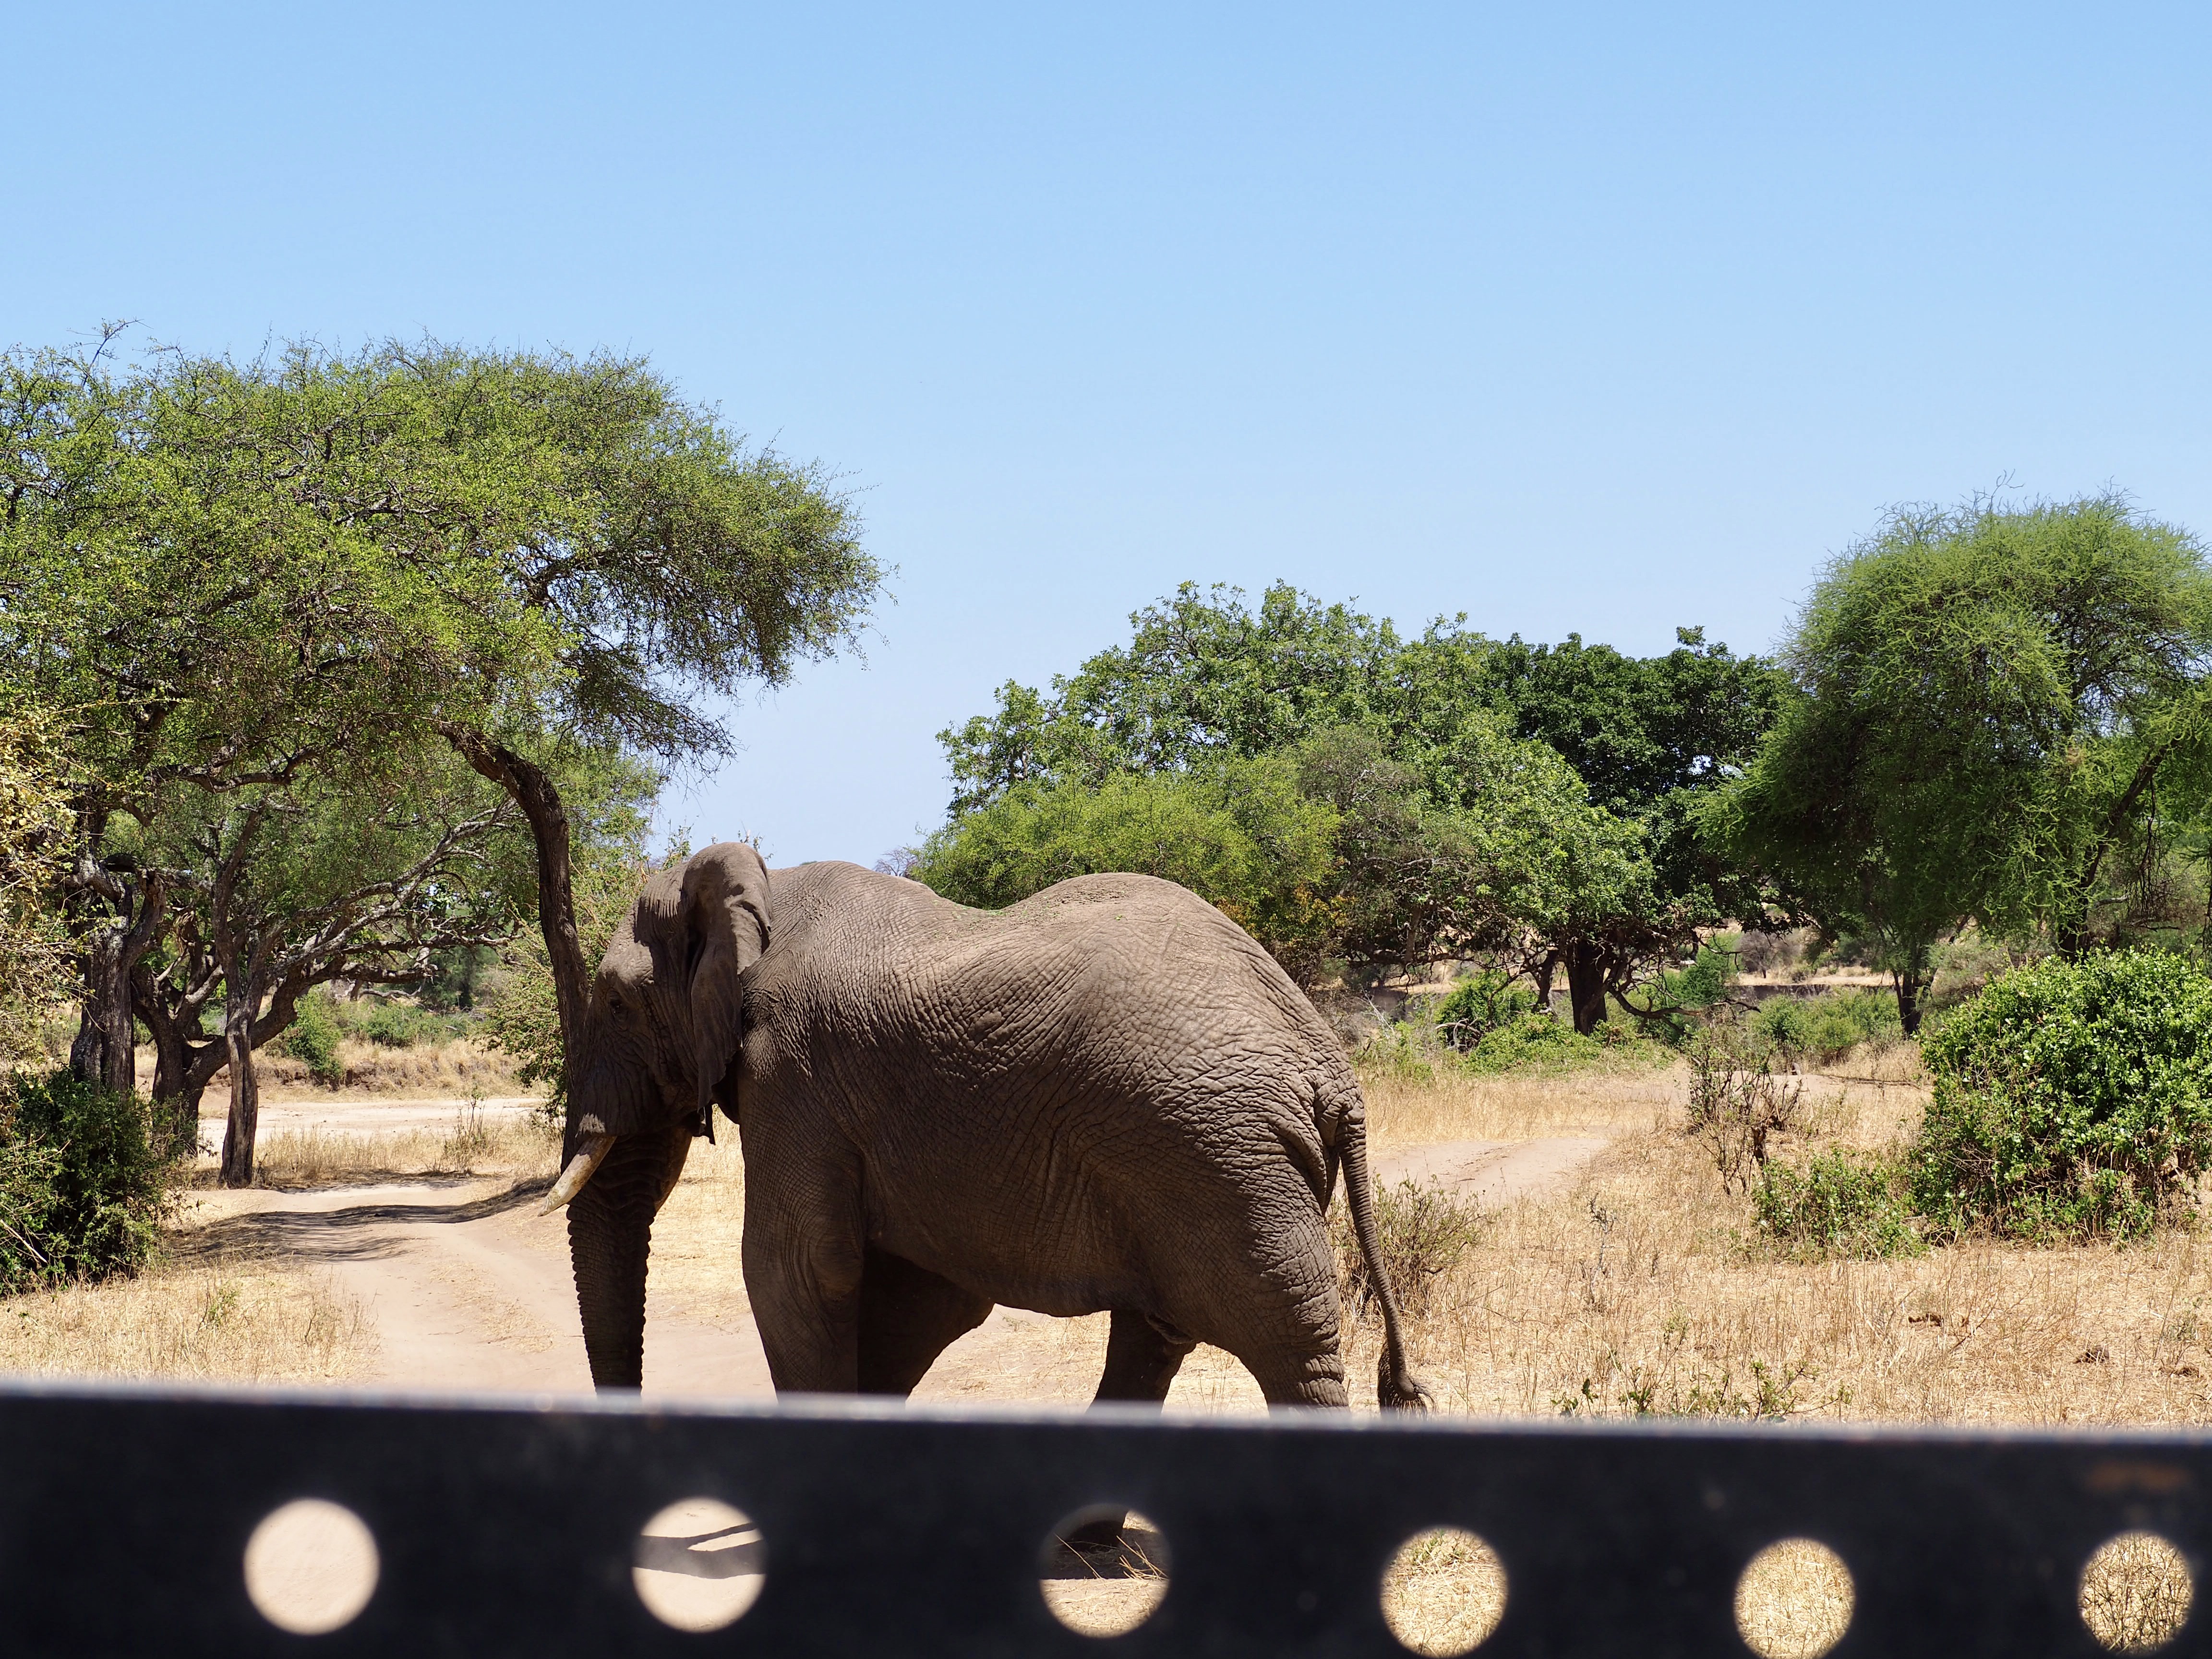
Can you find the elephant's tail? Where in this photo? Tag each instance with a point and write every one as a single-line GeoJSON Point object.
{"type": "Point", "coordinates": [1395, 1385]}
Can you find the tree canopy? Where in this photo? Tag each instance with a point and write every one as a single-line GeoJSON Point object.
{"type": "Point", "coordinates": [1988, 703]}
{"type": "Point", "coordinates": [306, 572]}
{"type": "Point", "coordinates": [1459, 817]}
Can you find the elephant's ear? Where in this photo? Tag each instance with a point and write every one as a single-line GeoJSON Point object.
{"type": "Point", "coordinates": [724, 908]}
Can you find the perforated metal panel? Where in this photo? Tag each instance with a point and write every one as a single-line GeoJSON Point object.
{"type": "Point", "coordinates": [509, 1526]}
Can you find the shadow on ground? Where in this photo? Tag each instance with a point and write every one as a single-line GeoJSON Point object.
{"type": "Point", "coordinates": [360, 1233]}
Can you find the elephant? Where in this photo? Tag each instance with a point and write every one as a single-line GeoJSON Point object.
{"type": "Point", "coordinates": [1107, 1097]}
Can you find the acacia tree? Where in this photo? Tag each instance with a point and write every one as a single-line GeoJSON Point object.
{"type": "Point", "coordinates": [277, 891]}
{"type": "Point", "coordinates": [236, 576]}
{"type": "Point", "coordinates": [198, 570]}
{"type": "Point", "coordinates": [1987, 701]}
{"type": "Point", "coordinates": [660, 557]}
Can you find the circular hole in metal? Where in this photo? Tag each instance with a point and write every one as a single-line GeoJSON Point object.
{"type": "Point", "coordinates": [2135, 1593]}
{"type": "Point", "coordinates": [700, 1563]}
{"type": "Point", "coordinates": [310, 1566]}
{"type": "Point", "coordinates": [1794, 1601]}
{"type": "Point", "coordinates": [1103, 1570]}
{"type": "Point", "coordinates": [1443, 1592]}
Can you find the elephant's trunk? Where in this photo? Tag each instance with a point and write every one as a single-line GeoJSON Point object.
{"type": "Point", "coordinates": [610, 1235]}
{"type": "Point", "coordinates": [609, 1232]}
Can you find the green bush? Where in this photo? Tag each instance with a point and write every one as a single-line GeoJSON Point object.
{"type": "Point", "coordinates": [403, 1025]}
{"type": "Point", "coordinates": [1822, 1029]}
{"type": "Point", "coordinates": [313, 1037]}
{"type": "Point", "coordinates": [1841, 1204]}
{"type": "Point", "coordinates": [82, 1188]}
{"type": "Point", "coordinates": [1533, 1040]}
{"type": "Point", "coordinates": [2071, 1099]}
{"type": "Point", "coordinates": [1237, 833]}
{"type": "Point", "coordinates": [1707, 978]}
{"type": "Point", "coordinates": [1419, 1051]}
{"type": "Point", "coordinates": [1480, 1004]}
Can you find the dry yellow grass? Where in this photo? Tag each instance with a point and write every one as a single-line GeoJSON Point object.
{"type": "Point", "coordinates": [1443, 1592]}
{"type": "Point", "coordinates": [2135, 1592]}
{"type": "Point", "coordinates": [1640, 1287]}
{"type": "Point", "coordinates": [1414, 1109]}
{"type": "Point", "coordinates": [506, 1144]}
{"type": "Point", "coordinates": [231, 1321]}
{"type": "Point", "coordinates": [1793, 1600]}
{"type": "Point", "coordinates": [697, 1235]}
{"type": "Point", "coordinates": [453, 1068]}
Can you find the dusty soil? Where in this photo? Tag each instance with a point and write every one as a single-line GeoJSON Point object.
{"type": "Point", "coordinates": [463, 1288]}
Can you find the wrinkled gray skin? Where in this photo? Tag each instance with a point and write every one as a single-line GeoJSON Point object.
{"type": "Point", "coordinates": [1105, 1098]}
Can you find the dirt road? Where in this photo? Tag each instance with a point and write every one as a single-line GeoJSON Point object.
{"type": "Point", "coordinates": [466, 1289]}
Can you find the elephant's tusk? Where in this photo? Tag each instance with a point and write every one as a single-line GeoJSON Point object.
{"type": "Point", "coordinates": [582, 1168]}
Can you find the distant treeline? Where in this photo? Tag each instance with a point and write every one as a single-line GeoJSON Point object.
{"type": "Point", "coordinates": [1988, 715]}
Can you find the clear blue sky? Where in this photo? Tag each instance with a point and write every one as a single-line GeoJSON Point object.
{"type": "Point", "coordinates": [1583, 318]}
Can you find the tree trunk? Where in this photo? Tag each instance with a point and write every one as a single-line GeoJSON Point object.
{"type": "Point", "coordinates": [172, 1063]}
{"type": "Point", "coordinates": [245, 1096]}
{"type": "Point", "coordinates": [1908, 985]}
{"type": "Point", "coordinates": [1586, 965]}
{"type": "Point", "coordinates": [1542, 977]}
{"type": "Point", "coordinates": [102, 1052]}
{"type": "Point", "coordinates": [171, 1067]}
{"type": "Point", "coordinates": [184, 1119]}
{"type": "Point", "coordinates": [540, 801]}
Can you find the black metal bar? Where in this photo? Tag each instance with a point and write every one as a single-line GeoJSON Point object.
{"type": "Point", "coordinates": [508, 1526]}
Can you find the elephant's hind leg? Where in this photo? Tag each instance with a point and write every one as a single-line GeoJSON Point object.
{"type": "Point", "coordinates": [909, 1315]}
{"type": "Point", "coordinates": [1299, 1377]}
{"type": "Point", "coordinates": [1141, 1360]}
{"type": "Point", "coordinates": [1141, 1363]}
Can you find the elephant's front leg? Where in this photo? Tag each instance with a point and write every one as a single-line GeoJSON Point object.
{"type": "Point", "coordinates": [803, 1256]}
{"type": "Point", "coordinates": [909, 1315]}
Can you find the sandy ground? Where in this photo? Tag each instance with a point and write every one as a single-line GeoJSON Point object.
{"type": "Point", "coordinates": [465, 1289]}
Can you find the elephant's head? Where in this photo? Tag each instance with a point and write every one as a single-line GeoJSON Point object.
{"type": "Point", "coordinates": [659, 1049]}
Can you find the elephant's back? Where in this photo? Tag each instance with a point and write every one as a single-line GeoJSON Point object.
{"type": "Point", "coordinates": [873, 958]}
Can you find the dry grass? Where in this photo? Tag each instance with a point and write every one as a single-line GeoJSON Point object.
{"type": "Point", "coordinates": [231, 1321]}
{"type": "Point", "coordinates": [486, 1145]}
{"type": "Point", "coordinates": [1640, 1288]}
{"type": "Point", "coordinates": [2135, 1593]}
{"type": "Point", "coordinates": [1443, 1592]}
{"type": "Point", "coordinates": [1794, 1601]}
{"type": "Point", "coordinates": [1409, 1109]}
{"type": "Point", "coordinates": [453, 1069]}
{"type": "Point", "coordinates": [697, 1235]}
